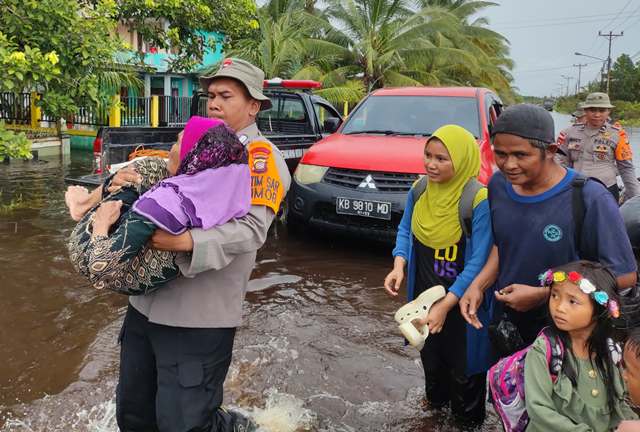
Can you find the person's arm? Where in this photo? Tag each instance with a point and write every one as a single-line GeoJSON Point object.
{"type": "Point", "coordinates": [628, 174]}
{"type": "Point", "coordinates": [562, 155]}
{"type": "Point", "coordinates": [403, 236]}
{"type": "Point", "coordinates": [473, 296]}
{"type": "Point", "coordinates": [481, 242]}
{"type": "Point", "coordinates": [627, 280]}
{"type": "Point", "coordinates": [215, 248]}
{"type": "Point", "coordinates": [607, 239]}
{"type": "Point", "coordinates": [624, 162]}
{"type": "Point", "coordinates": [538, 390]}
{"type": "Point", "coordinates": [401, 251]}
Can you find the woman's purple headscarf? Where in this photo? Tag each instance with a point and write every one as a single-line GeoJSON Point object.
{"type": "Point", "coordinates": [212, 185]}
{"type": "Point", "coordinates": [209, 143]}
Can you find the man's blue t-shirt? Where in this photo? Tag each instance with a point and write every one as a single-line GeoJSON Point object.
{"type": "Point", "coordinates": [535, 233]}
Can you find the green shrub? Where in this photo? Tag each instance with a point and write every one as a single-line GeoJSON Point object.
{"type": "Point", "coordinates": [14, 145]}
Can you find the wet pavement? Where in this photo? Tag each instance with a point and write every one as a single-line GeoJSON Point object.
{"type": "Point", "coordinates": [318, 349]}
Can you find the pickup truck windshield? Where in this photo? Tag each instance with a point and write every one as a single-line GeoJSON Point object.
{"type": "Point", "coordinates": [413, 115]}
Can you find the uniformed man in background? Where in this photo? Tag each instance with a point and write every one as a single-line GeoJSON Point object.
{"type": "Point", "coordinates": [599, 149]}
{"type": "Point", "coordinates": [578, 116]}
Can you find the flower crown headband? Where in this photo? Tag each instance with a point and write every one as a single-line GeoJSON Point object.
{"type": "Point", "coordinates": [585, 285]}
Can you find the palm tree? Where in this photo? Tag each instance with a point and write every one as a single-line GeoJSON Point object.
{"type": "Point", "coordinates": [354, 46]}
{"type": "Point", "coordinates": [489, 48]}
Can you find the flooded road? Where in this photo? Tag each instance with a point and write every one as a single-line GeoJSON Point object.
{"type": "Point", "coordinates": [318, 348]}
{"type": "Point", "coordinates": [319, 341]}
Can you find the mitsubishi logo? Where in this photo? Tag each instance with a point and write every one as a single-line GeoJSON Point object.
{"type": "Point", "coordinates": [368, 183]}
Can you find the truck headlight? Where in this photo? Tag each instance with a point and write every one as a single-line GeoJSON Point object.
{"type": "Point", "coordinates": [307, 174]}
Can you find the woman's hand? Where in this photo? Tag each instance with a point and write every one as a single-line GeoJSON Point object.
{"type": "Point", "coordinates": [127, 176]}
{"type": "Point", "coordinates": [437, 314]}
{"type": "Point", "coordinates": [394, 279]}
{"type": "Point", "coordinates": [105, 216]}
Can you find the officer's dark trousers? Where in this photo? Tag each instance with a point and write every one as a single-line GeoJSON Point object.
{"type": "Point", "coordinates": [444, 359]}
{"type": "Point", "coordinates": [170, 377]}
{"type": "Point", "coordinates": [615, 191]}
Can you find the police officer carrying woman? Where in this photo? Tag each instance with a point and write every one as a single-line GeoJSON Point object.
{"type": "Point", "coordinates": [598, 149]}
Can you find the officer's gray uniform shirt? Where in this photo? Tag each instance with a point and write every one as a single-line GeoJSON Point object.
{"type": "Point", "coordinates": [216, 273]}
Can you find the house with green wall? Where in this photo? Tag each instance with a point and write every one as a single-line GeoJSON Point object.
{"type": "Point", "coordinates": [161, 81]}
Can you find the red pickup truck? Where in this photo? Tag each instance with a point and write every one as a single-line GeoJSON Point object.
{"type": "Point", "coordinates": [357, 179]}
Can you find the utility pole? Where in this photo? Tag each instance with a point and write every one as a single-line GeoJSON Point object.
{"type": "Point", "coordinates": [568, 78]}
{"type": "Point", "coordinates": [609, 36]}
{"type": "Point", "coordinates": [579, 66]}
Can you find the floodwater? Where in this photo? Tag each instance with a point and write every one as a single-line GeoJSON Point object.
{"type": "Point", "coordinates": [318, 349]}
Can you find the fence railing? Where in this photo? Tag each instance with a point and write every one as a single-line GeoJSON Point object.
{"type": "Point", "coordinates": [88, 115]}
{"type": "Point", "coordinates": [15, 107]}
{"type": "Point", "coordinates": [174, 111]}
{"type": "Point", "coordinates": [19, 108]}
{"type": "Point", "coordinates": [135, 111]}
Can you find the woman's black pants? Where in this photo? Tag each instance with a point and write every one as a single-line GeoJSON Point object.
{"type": "Point", "coordinates": [444, 359]}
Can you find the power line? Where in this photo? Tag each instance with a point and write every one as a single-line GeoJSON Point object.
{"type": "Point", "coordinates": [628, 18]}
{"type": "Point", "coordinates": [554, 68]}
{"type": "Point", "coordinates": [631, 25]}
{"type": "Point", "coordinates": [616, 17]}
{"type": "Point", "coordinates": [561, 18]}
{"type": "Point", "coordinates": [554, 24]}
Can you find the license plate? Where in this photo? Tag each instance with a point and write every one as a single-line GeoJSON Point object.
{"type": "Point", "coordinates": [293, 153]}
{"type": "Point", "coordinates": [366, 208]}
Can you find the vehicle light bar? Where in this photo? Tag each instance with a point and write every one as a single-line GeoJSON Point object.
{"type": "Point", "coordinates": [292, 84]}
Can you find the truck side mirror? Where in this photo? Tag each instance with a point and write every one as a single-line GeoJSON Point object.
{"type": "Point", "coordinates": [331, 124]}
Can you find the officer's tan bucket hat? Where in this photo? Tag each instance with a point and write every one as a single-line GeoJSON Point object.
{"type": "Point", "coordinates": [243, 71]}
{"type": "Point", "coordinates": [579, 112]}
{"type": "Point", "coordinates": [597, 100]}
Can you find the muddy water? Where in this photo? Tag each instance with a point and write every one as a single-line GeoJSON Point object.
{"type": "Point", "coordinates": [318, 342]}
{"type": "Point", "coordinates": [318, 350]}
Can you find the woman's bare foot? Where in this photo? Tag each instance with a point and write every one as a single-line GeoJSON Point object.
{"type": "Point", "coordinates": [78, 201]}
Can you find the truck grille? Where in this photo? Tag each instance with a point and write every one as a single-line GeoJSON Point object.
{"type": "Point", "coordinates": [384, 182]}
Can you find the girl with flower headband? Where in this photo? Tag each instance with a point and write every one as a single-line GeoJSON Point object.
{"type": "Point", "coordinates": [588, 392]}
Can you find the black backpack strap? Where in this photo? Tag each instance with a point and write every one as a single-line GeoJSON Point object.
{"type": "Point", "coordinates": [465, 207]}
{"type": "Point", "coordinates": [578, 208]}
{"type": "Point", "coordinates": [418, 188]}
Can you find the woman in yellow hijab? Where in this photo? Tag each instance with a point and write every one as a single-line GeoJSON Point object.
{"type": "Point", "coordinates": [444, 238]}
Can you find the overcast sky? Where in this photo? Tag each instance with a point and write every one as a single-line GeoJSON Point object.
{"type": "Point", "coordinates": [544, 35]}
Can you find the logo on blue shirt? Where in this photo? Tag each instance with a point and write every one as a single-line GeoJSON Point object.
{"type": "Point", "coordinates": [552, 233]}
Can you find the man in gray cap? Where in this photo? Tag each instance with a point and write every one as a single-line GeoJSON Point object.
{"type": "Point", "coordinates": [535, 223]}
{"type": "Point", "coordinates": [599, 149]}
{"type": "Point", "coordinates": [177, 341]}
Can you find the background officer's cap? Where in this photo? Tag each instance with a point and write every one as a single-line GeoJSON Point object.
{"type": "Point", "coordinates": [597, 100]}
